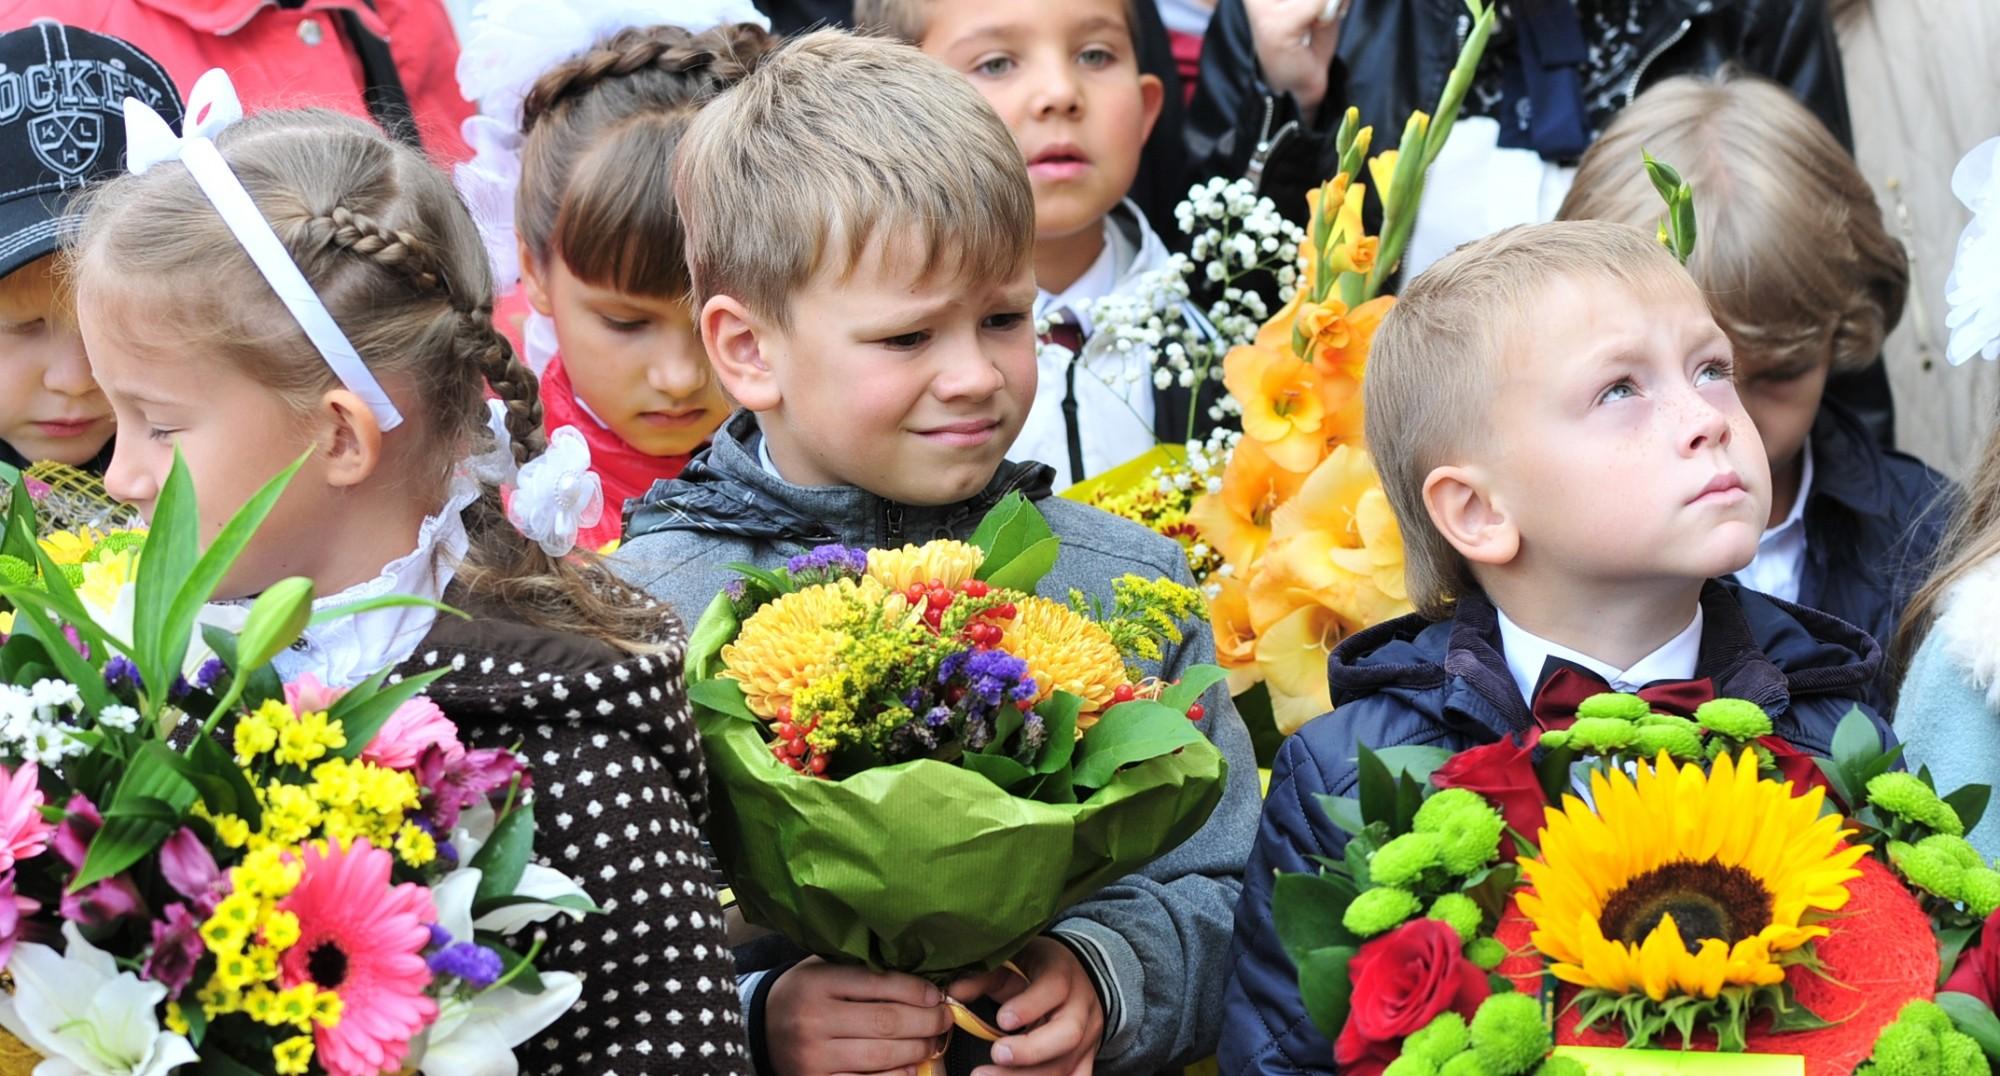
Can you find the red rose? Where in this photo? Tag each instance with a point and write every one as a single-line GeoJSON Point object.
{"type": "Point", "coordinates": [1978, 969]}
{"type": "Point", "coordinates": [1402, 981]}
{"type": "Point", "coordinates": [1505, 774]}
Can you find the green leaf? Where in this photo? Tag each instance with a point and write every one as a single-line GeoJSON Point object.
{"type": "Point", "coordinates": [1006, 723]}
{"type": "Point", "coordinates": [223, 788]}
{"type": "Point", "coordinates": [722, 695]}
{"type": "Point", "coordinates": [504, 856]}
{"type": "Point", "coordinates": [387, 601]}
{"type": "Point", "coordinates": [1951, 942]}
{"type": "Point", "coordinates": [1129, 733]}
{"type": "Point", "coordinates": [153, 775]}
{"type": "Point", "coordinates": [717, 626]}
{"type": "Point", "coordinates": [1324, 986]}
{"type": "Point", "coordinates": [1844, 789]}
{"type": "Point", "coordinates": [1855, 741]}
{"type": "Point", "coordinates": [1377, 788]}
{"type": "Point", "coordinates": [1254, 707]}
{"type": "Point", "coordinates": [1012, 530]}
{"type": "Point", "coordinates": [145, 809]}
{"type": "Point", "coordinates": [525, 980]}
{"type": "Point", "coordinates": [1306, 910]}
{"type": "Point", "coordinates": [21, 523]}
{"type": "Point", "coordinates": [1418, 762]}
{"type": "Point", "coordinates": [1059, 712]}
{"type": "Point", "coordinates": [263, 683]}
{"type": "Point", "coordinates": [171, 591]}
{"type": "Point", "coordinates": [1971, 1016]}
{"type": "Point", "coordinates": [1343, 811]}
{"type": "Point", "coordinates": [1024, 571]}
{"type": "Point", "coordinates": [217, 1063]}
{"type": "Point", "coordinates": [1004, 772]}
{"type": "Point", "coordinates": [1409, 797]}
{"type": "Point", "coordinates": [1970, 802]}
{"type": "Point", "coordinates": [197, 1021]}
{"type": "Point", "coordinates": [31, 613]}
{"type": "Point", "coordinates": [1553, 772]}
{"type": "Point", "coordinates": [363, 718]}
{"type": "Point", "coordinates": [276, 619]}
{"type": "Point", "coordinates": [987, 535]}
{"type": "Point", "coordinates": [1665, 179]}
{"type": "Point", "coordinates": [1195, 681]}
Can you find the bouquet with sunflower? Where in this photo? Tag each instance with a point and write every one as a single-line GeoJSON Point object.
{"type": "Point", "coordinates": [1648, 880]}
{"type": "Point", "coordinates": [226, 872]}
{"type": "Point", "coordinates": [866, 710]}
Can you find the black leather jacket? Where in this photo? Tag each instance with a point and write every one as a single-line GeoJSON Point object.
{"type": "Point", "coordinates": [1395, 55]}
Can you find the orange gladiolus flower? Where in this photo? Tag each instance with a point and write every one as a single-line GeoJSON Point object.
{"type": "Point", "coordinates": [1237, 521]}
{"type": "Point", "coordinates": [1292, 657]}
{"type": "Point", "coordinates": [1235, 639]}
{"type": "Point", "coordinates": [1281, 403]}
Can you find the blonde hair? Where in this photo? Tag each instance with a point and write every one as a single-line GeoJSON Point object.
{"type": "Point", "coordinates": [1790, 244]}
{"type": "Point", "coordinates": [836, 141]}
{"type": "Point", "coordinates": [597, 163]}
{"type": "Point", "coordinates": [392, 252]}
{"type": "Point", "coordinates": [907, 20]}
{"type": "Point", "coordinates": [1972, 539]}
{"type": "Point", "coordinates": [1434, 362]}
{"type": "Point", "coordinates": [41, 279]}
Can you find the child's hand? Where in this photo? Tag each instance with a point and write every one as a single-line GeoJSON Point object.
{"type": "Point", "coordinates": [1295, 42]}
{"type": "Point", "coordinates": [821, 1018]}
{"type": "Point", "coordinates": [1058, 1002]}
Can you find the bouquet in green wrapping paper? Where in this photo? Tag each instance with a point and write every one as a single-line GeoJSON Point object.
{"type": "Point", "coordinates": [921, 762]}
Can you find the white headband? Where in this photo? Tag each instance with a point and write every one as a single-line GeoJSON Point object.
{"type": "Point", "coordinates": [212, 106]}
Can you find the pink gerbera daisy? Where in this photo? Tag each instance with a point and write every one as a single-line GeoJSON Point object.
{"type": "Point", "coordinates": [363, 939]}
{"type": "Point", "coordinates": [24, 833]}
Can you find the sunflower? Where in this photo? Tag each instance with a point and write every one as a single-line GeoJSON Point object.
{"type": "Point", "coordinates": [1065, 652]}
{"type": "Point", "coordinates": [794, 640]}
{"type": "Point", "coordinates": [947, 562]}
{"type": "Point", "coordinates": [1684, 882]}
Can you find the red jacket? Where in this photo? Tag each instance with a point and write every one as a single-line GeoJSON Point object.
{"type": "Point", "coordinates": [286, 58]}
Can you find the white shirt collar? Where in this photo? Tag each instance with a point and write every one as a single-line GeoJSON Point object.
{"type": "Point", "coordinates": [1779, 567]}
{"type": "Point", "coordinates": [348, 650]}
{"type": "Point", "coordinates": [1797, 516]}
{"type": "Point", "coordinates": [1527, 652]}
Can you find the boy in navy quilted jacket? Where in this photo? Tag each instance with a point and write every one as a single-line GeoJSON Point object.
{"type": "Point", "coordinates": [1554, 413]}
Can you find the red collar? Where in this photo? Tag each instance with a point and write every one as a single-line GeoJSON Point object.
{"type": "Point", "coordinates": [625, 471]}
{"type": "Point", "coordinates": [225, 17]}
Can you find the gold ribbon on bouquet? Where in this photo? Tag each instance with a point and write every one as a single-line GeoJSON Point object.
{"type": "Point", "coordinates": [964, 1019]}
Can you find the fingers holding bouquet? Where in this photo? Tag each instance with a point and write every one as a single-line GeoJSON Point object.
{"type": "Point", "coordinates": [1049, 1010]}
{"type": "Point", "coordinates": [833, 1019]}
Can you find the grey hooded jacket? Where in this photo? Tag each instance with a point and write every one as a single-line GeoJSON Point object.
{"type": "Point", "coordinates": [1156, 942]}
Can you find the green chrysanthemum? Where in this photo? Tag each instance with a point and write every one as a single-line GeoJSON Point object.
{"type": "Point", "coordinates": [1614, 706]}
{"type": "Point", "coordinates": [114, 543]}
{"type": "Point", "coordinates": [1979, 888]}
{"type": "Point", "coordinates": [1409, 1066]}
{"type": "Point", "coordinates": [1465, 1065]}
{"type": "Point", "coordinates": [1487, 953]}
{"type": "Point", "coordinates": [1508, 1034]}
{"type": "Point", "coordinates": [1603, 735]}
{"type": "Point", "coordinates": [1927, 870]}
{"type": "Point", "coordinates": [1955, 850]}
{"type": "Point", "coordinates": [1444, 1038]}
{"type": "Point", "coordinates": [1379, 910]}
{"type": "Point", "coordinates": [1738, 719]}
{"type": "Point", "coordinates": [1405, 859]}
{"type": "Point", "coordinates": [1907, 797]}
{"type": "Point", "coordinates": [1459, 912]}
{"type": "Point", "coordinates": [15, 572]}
{"type": "Point", "coordinates": [1680, 743]}
{"type": "Point", "coordinates": [1469, 826]}
{"type": "Point", "coordinates": [1562, 1066]}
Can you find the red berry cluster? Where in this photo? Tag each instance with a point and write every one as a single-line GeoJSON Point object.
{"type": "Point", "coordinates": [935, 597]}
{"type": "Point", "coordinates": [792, 748]}
{"type": "Point", "coordinates": [1127, 692]}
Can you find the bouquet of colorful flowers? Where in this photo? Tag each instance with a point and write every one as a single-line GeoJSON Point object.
{"type": "Point", "coordinates": [226, 871]}
{"type": "Point", "coordinates": [67, 498]}
{"type": "Point", "coordinates": [866, 710]}
{"type": "Point", "coordinates": [1702, 886]}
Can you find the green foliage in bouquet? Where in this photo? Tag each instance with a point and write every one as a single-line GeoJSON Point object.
{"type": "Point", "coordinates": [936, 809]}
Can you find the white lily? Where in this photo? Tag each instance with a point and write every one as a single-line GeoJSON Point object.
{"type": "Point", "coordinates": [85, 1017]}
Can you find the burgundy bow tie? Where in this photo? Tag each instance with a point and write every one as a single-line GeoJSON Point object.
{"type": "Point", "coordinates": [1565, 685]}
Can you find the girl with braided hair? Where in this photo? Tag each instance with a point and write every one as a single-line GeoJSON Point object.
{"type": "Point", "coordinates": [339, 305]}
{"type": "Point", "coordinates": [573, 188]}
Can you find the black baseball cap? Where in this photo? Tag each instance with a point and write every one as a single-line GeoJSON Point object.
{"type": "Point", "coordinates": [62, 126]}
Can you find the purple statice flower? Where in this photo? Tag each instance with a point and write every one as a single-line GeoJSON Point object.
{"type": "Point", "coordinates": [470, 961]}
{"type": "Point", "coordinates": [440, 937]}
{"type": "Point", "coordinates": [1034, 731]}
{"type": "Point", "coordinates": [830, 561]}
{"type": "Point", "coordinates": [210, 672]}
{"type": "Point", "coordinates": [994, 675]}
{"type": "Point", "coordinates": [177, 948]}
{"type": "Point", "coordinates": [120, 672]}
{"type": "Point", "coordinates": [735, 589]}
{"type": "Point", "coordinates": [938, 717]}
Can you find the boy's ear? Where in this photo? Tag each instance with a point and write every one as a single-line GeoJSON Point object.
{"type": "Point", "coordinates": [734, 338]}
{"type": "Point", "coordinates": [1152, 96]}
{"type": "Point", "coordinates": [1463, 509]}
{"type": "Point", "coordinates": [350, 440]}
{"type": "Point", "coordinates": [532, 281]}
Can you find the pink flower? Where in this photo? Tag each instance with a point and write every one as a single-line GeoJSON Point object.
{"type": "Point", "coordinates": [188, 866]}
{"type": "Point", "coordinates": [363, 939]}
{"type": "Point", "coordinates": [307, 695]}
{"type": "Point", "coordinates": [14, 910]}
{"type": "Point", "coordinates": [102, 902]}
{"type": "Point", "coordinates": [415, 725]}
{"type": "Point", "coordinates": [24, 833]}
{"type": "Point", "coordinates": [177, 948]}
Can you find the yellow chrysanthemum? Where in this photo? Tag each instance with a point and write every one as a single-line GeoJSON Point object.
{"type": "Point", "coordinates": [948, 562]}
{"type": "Point", "coordinates": [791, 642]}
{"type": "Point", "coordinates": [1065, 652]}
{"type": "Point", "coordinates": [1683, 882]}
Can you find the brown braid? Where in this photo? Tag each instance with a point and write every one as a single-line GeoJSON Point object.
{"type": "Point", "coordinates": [512, 382]}
{"type": "Point", "coordinates": [392, 248]}
{"type": "Point", "coordinates": [723, 56]}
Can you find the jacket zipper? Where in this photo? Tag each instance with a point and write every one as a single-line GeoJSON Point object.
{"type": "Point", "coordinates": [892, 521]}
{"type": "Point", "coordinates": [1268, 142]}
{"type": "Point", "coordinates": [1632, 87]}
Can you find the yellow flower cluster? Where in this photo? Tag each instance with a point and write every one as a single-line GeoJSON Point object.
{"type": "Point", "coordinates": [247, 933]}
{"type": "Point", "coordinates": [293, 739]}
{"type": "Point", "coordinates": [346, 799]}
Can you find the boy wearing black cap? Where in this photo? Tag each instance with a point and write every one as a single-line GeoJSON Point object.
{"type": "Point", "coordinates": [62, 92]}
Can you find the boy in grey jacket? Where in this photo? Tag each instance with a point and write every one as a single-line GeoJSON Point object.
{"type": "Point", "coordinates": [863, 288]}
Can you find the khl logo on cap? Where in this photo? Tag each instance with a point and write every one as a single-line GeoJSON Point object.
{"type": "Point", "coordinates": [67, 140]}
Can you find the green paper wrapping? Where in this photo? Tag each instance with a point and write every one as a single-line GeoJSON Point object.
{"type": "Point", "coordinates": [924, 867]}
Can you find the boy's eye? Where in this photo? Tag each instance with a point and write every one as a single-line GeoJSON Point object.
{"type": "Point", "coordinates": [21, 328]}
{"type": "Point", "coordinates": [621, 325]}
{"type": "Point", "coordinates": [158, 434]}
{"type": "Point", "coordinates": [1005, 322]}
{"type": "Point", "coordinates": [905, 341]}
{"type": "Point", "coordinates": [1720, 370]}
{"type": "Point", "coordinates": [993, 66]}
{"type": "Point", "coordinates": [1622, 389]}
{"type": "Point", "coordinates": [1097, 56]}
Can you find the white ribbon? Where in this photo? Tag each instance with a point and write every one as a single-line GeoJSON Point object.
{"type": "Point", "coordinates": [556, 494]}
{"type": "Point", "coordinates": [1972, 291]}
{"type": "Point", "coordinates": [211, 106]}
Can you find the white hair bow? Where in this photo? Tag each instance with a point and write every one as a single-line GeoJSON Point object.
{"type": "Point", "coordinates": [1972, 291]}
{"type": "Point", "coordinates": [211, 106]}
{"type": "Point", "coordinates": [555, 494]}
